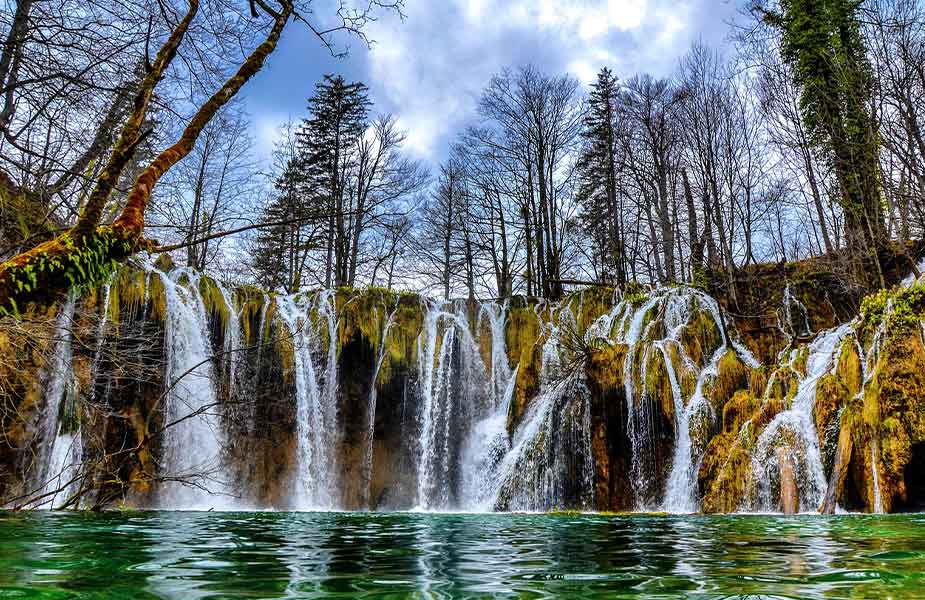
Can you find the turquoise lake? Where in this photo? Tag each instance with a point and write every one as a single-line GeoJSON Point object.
{"type": "Point", "coordinates": [409, 555]}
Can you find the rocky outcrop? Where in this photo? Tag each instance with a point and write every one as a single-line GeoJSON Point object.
{"type": "Point", "coordinates": [653, 401]}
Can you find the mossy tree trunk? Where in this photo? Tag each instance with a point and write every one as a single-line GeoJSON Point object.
{"type": "Point", "coordinates": [89, 251]}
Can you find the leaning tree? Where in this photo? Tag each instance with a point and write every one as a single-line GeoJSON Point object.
{"type": "Point", "coordinates": [83, 254]}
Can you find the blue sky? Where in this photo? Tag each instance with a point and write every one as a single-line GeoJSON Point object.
{"type": "Point", "coordinates": [430, 68]}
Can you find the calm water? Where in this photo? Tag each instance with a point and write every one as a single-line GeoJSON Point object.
{"type": "Point", "coordinates": [340, 555]}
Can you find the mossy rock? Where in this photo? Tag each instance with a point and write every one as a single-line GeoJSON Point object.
{"type": "Point", "coordinates": [701, 337]}
{"type": "Point", "coordinates": [732, 375]}
{"type": "Point", "coordinates": [741, 407]}
{"type": "Point", "coordinates": [658, 384]}
{"type": "Point", "coordinates": [604, 366]}
{"type": "Point", "coordinates": [894, 411]}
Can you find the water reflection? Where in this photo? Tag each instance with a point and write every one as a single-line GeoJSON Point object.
{"type": "Point", "coordinates": [405, 555]}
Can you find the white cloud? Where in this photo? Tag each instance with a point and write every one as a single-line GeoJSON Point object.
{"type": "Point", "coordinates": [431, 68]}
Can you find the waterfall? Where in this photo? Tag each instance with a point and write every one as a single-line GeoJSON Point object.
{"type": "Point", "coordinates": [488, 442]}
{"type": "Point", "coordinates": [552, 442]}
{"type": "Point", "coordinates": [549, 463]}
{"type": "Point", "coordinates": [457, 392]}
{"type": "Point", "coordinates": [668, 312]}
{"type": "Point", "coordinates": [698, 412]}
{"type": "Point", "coordinates": [434, 374]}
{"type": "Point", "coordinates": [194, 438]}
{"type": "Point", "coordinates": [875, 475]}
{"type": "Point", "coordinates": [100, 338]}
{"type": "Point", "coordinates": [789, 302]}
{"type": "Point", "coordinates": [233, 342]}
{"type": "Point", "coordinates": [638, 437]}
{"type": "Point", "coordinates": [60, 455]}
{"type": "Point", "coordinates": [373, 394]}
{"type": "Point", "coordinates": [791, 435]}
{"type": "Point", "coordinates": [315, 484]}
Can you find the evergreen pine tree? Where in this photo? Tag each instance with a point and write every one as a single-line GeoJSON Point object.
{"type": "Point", "coordinates": [598, 169]}
{"type": "Point", "coordinates": [281, 250]}
{"type": "Point", "coordinates": [338, 116]}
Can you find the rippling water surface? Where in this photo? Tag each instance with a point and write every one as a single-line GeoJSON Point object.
{"type": "Point", "coordinates": [399, 555]}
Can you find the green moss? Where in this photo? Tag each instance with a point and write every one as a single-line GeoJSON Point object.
{"type": "Point", "coordinates": [635, 294]}
{"type": "Point", "coordinates": [214, 301]}
{"type": "Point", "coordinates": [902, 309]}
{"type": "Point", "coordinates": [700, 337]}
{"type": "Point", "coordinates": [732, 375]}
{"type": "Point", "coordinates": [604, 367]}
{"type": "Point", "coordinates": [658, 384]}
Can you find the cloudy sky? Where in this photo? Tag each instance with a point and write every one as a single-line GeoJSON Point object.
{"type": "Point", "coordinates": [430, 68]}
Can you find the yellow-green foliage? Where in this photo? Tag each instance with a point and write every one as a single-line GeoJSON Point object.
{"type": "Point", "coordinates": [604, 367]}
{"type": "Point", "coordinates": [848, 369]}
{"type": "Point", "coordinates": [214, 301]}
{"type": "Point", "coordinates": [521, 333]}
{"type": "Point", "coordinates": [658, 384]}
{"type": "Point", "coordinates": [903, 308]}
{"type": "Point", "coordinates": [758, 380]}
{"type": "Point", "coordinates": [742, 406]}
{"type": "Point", "coordinates": [687, 377]}
{"type": "Point", "coordinates": [800, 361]}
{"type": "Point", "coordinates": [527, 384]}
{"type": "Point", "coordinates": [732, 375]}
{"type": "Point", "coordinates": [366, 313]}
{"type": "Point", "coordinates": [725, 472]}
{"type": "Point", "coordinates": [252, 302]}
{"type": "Point", "coordinates": [81, 265]}
{"type": "Point", "coordinates": [635, 293]}
{"type": "Point", "coordinates": [893, 410]}
{"type": "Point", "coordinates": [700, 337]}
{"type": "Point", "coordinates": [589, 304]}
{"type": "Point", "coordinates": [128, 291]}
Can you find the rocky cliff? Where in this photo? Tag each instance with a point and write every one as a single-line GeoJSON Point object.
{"type": "Point", "coordinates": [164, 388]}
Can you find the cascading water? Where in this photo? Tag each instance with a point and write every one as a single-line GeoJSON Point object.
{"type": "Point", "coordinates": [653, 330]}
{"type": "Point", "coordinates": [315, 484]}
{"type": "Point", "coordinates": [194, 439]}
{"type": "Point", "coordinates": [698, 412]}
{"type": "Point", "coordinates": [489, 441]}
{"type": "Point", "coordinates": [233, 354]}
{"type": "Point", "coordinates": [373, 395]}
{"type": "Point", "coordinates": [473, 447]}
{"type": "Point", "coordinates": [60, 456]}
{"type": "Point", "coordinates": [797, 325]}
{"type": "Point", "coordinates": [549, 464]}
{"type": "Point", "coordinates": [791, 436]}
{"type": "Point", "coordinates": [463, 405]}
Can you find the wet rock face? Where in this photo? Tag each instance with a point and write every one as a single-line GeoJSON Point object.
{"type": "Point", "coordinates": [610, 443]}
{"type": "Point", "coordinates": [592, 402]}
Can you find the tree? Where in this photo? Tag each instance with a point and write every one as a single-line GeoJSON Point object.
{"type": "Point", "coordinates": [823, 44]}
{"type": "Point", "coordinates": [598, 165]}
{"type": "Point", "coordinates": [86, 252]}
{"type": "Point", "coordinates": [437, 237]}
{"type": "Point", "coordinates": [338, 117]}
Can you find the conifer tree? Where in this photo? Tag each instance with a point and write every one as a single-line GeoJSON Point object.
{"type": "Point", "coordinates": [338, 117]}
{"type": "Point", "coordinates": [598, 168]}
{"type": "Point", "coordinates": [281, 250]}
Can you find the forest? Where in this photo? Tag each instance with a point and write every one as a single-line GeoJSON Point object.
{"type": "Point", "coordinates": [803, 136]}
